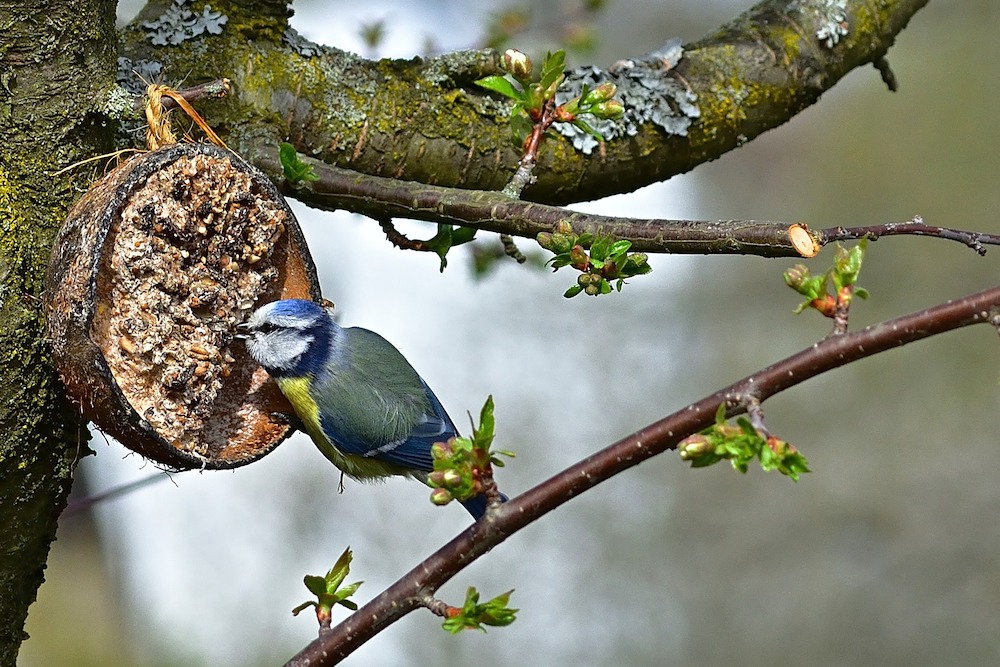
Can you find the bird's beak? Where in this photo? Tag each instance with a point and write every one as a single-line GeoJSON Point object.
{"type": "Point", "coordinates": [243, 331]}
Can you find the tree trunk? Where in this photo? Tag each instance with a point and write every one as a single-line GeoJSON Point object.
{"type": "Point", "coordinates": [57, 62]}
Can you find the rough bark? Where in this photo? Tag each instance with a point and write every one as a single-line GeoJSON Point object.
{"type": "Point", "coordinates": [56, 61]}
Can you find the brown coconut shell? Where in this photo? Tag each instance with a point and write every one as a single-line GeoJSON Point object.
{"type": "Point", "coordinates": [151, 272]}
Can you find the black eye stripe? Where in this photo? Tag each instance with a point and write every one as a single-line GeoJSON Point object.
{"type": "Point", "coordinates": [267, 327]}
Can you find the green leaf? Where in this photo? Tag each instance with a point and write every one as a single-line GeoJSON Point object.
{"type": "Point", "coordinates": [599, 248]}
{"type": "Point", "coordinates": [473, 616]}
{"type": "Point", "coordinates": [552, 68]}
{"type": "Point", "coordinates": [460, 235]}
{"type": "Point", "coordinates": [446, 238]}
{"type": "Point", "coordinates": [572, 291]}
{"type": "Point", "coordinates": [619, 247]}
{"type": "Point", "coordinates": [294, 168]}
{"type": "Point", "coordinates": [483, 436]}
{"type": "Point", "coordinates": [585, 126]}
{"type": "Point", "coordinates": [315, 584]}
{"type": "Point", "coordinates": [340, 570]}
{"type": "Point", "coordinates": [520, 129]}
{"type": "Point", "coordinates": [502, 85]}
{"type": "Point", "coordinates": [327, 589]}
{"type": "Point", "coordinates": [304, 605]}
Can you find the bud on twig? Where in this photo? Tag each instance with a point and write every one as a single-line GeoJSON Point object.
{"type": "Point", "coordinates": [517, 63]}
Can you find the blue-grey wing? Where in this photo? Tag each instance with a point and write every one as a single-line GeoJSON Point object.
{"type": "Point", "coordinates": [373, 404]}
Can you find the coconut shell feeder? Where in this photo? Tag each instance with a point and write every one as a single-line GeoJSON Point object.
{"type": "Point", "coordinates": [151, 273]}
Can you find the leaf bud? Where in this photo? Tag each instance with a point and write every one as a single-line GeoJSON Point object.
{"type": "Point", "coordinates": [796, 276]}
{"type": "Point", "coordinates": [578, 257]}
{"type": "Point", "coordinates": [602, 93]}
{"type": "Point", "coordinates": [694, 447]}
{"type": "Point", "coordinates": [452, 479]}
{"type": "Point", "coordinates": [564, 114]}
{"type": "Point", "coordinates": [638, 259]}
{"type": "Point", "coordinates": [517, 63]}
{"type": "Point", "coordinates": [609, 109]}
{"type": "Point", "coordinates": [441, 496]}
{"type": "Point", "coordinates": [560, 243]}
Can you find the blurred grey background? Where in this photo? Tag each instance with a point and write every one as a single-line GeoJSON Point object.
{"type": "Point", "coordinates": [885, 555]}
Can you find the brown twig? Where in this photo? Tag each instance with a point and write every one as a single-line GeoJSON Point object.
{"type": "Point", "coordinates": [398, 239]}
{"type": "Point", "coordinates": [888, 76]}
{"type": "Point", "coordinates": [756, 414]}
{"type": "Point", "coordinates": [383, 198]}
{"type": "Point", "coordinates": [209, 90]}
{"type": "Point", "coordinates": [410, 592]}
{"type": "Point", "coordinates": [82, 504]}
{"type": "Point", "coordinates": [842, 310]}
{"type": "Point", "coordinates": [975, 240]}
{"type": "Point", "coordinates": [522, 177]}
{"type": "Point", "coordinates": [439, 607]}
{"type": "Point", "coordinates": [511, 250]}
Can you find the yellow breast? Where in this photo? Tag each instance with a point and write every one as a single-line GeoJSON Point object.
{"type": "Point", "coordinates": [298, 391]}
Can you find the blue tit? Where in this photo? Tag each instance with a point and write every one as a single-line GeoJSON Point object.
{"type": "Point", "coordinates": [360, 401]}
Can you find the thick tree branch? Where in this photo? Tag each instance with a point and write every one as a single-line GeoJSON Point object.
{"type": "Point", "coordinates": [408, 592]}
{"type": "Point", "coordinates": [425, 120]}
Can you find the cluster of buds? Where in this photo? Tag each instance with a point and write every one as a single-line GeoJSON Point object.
{"type": "Point", "coordinates": [844, 276]}
{"type": "Point", "coordinates": [463, 467]}
{"type": "Point", "coordinates": [599, 260]}
{"type": "Point", "coordinates": [535, 99]}
{"type": "Point", "coordinates": [458, 471]}
{"type": "Point", "coordinates": [599, 102]}
{"type": "Point", "coordinates": [741, 443]}
{"type": "Point", "coordinates": [473, 614]}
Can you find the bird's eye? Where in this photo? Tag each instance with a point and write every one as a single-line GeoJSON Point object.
{"type": "Point", "coordinates": [267, 327]}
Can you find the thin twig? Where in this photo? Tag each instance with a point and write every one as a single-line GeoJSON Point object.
{"type": "Point", "coordinates": [82, 504]}
{"type": "Point", "coordinates": [511, 250]}
{"type": "Point", "coordinates": [756, 414]}
{"type": "Point", "coordinates": [842, 310]}
{"type": "Point", "coordinates": [210, 90]}
{"type": "Point", "coordinates": [522, 177]}
{"type": "Point", "coordinates": [888, 76]}
{"type": "Point", "coordinates": [439, 607]}
{"type": "Point", "coordinates": [975, 240]}
{"type": "Point", "coordinates": [398, 239]}
{"type": "Point", "coordinates": [382, 198]}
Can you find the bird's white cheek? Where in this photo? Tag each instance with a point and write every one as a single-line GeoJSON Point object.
{"type": "Point", "coordinates": [279, 351]}
{"type": "Point", "coordinates": [253, 348]}
{"type": "Point", "coordinates": [294, 348]}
